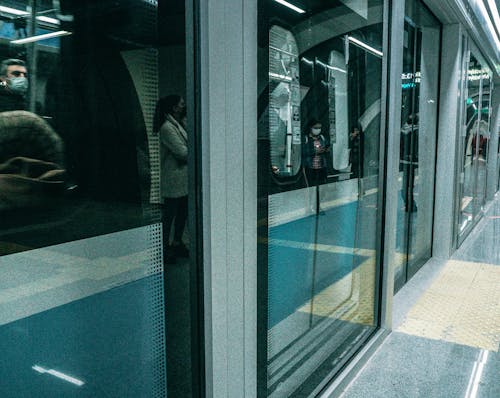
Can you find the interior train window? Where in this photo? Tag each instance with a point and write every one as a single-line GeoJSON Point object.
{"type": "Point", "coordinates": [284, 103]}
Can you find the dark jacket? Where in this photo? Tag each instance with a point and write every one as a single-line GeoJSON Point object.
{"type": "Point", "coordinates": [309, 151]}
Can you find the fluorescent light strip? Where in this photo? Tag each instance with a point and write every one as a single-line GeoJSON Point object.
{"type": "Point", "coordinates": [21, 13]}
{"type": "Point", "coordinates": [12, 11]}
{"type": "Point", "coordinates": [58, 374]}
{"type": "Point", "coordinates": [365, 46]}
{"type": "Point", "coordinates": [31, 39]}
{"type": "Point", "coordinates": [494, 13]}
{"type": "Point", "coordinates": [278, 76]}
{"type": "Point", "coordinates": [331, 67]}
{"type": "Point", "coordinates": [491, 28]}
{"type": "Point", "coordinates": [48, 20]}
{"type": "Point", "coordinates": [291, 6]}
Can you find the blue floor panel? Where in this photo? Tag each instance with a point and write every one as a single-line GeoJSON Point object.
{"type": "Point", "coordinates": [296, 274]}
{"type": "Point", "coordinates": [103, 340]}
{"type": "Point", "coordinates": [291, 277]}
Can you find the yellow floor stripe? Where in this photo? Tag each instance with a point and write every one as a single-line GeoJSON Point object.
{"type": "Point", "coordinates": [462, 306]}
{"type": "Point", "coordinates": [349, 299]}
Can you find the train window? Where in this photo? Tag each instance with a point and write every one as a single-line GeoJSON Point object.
{"type": "Point", "coordinates": [284, 103]}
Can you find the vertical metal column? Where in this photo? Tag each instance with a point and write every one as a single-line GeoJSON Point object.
{"type": "Point", "coordinates": [392, 147]}
{"type": "Point", "coordinates": [449, 128]}
{"type": "Point", "coordinates": [228, 104]}
{"type": "Point", "coordinates": [492, 179]}
{"type": "Point", "coordinates": [32, 55]}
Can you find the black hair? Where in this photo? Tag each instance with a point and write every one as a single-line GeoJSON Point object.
{"type": "Point", "coordinates": [8, 62]}
{"type": "Point", "coordinates": [164, 107]}
{"type": "Point", "coordinates": [311, 123]}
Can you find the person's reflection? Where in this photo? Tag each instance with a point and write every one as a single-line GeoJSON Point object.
{"type": "Point", "coordinates": [314, 160]}
{"type": "Point", "coordinates": [170, 123]}
{"type": "Point", "coordinates": [356, 151]}
{"type": "Point", "coordinates": [314, 151]}
{"type": "Point", "coordinates": [13, 85]}
{"type": "Point", "coordinates": [409, 160]}
{"type": "Point", "coordinates": [31, 157]}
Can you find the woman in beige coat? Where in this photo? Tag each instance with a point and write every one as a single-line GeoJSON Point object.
{"type": "Point", "coordinates": [170, 114]}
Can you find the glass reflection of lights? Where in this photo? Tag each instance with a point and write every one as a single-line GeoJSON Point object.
{"type": "Point", "coordinates": [21, 13]}
{"type": "Point", "coordinates": [291, 6]}
{"type": "Point", "coordinates": [330, 66]}
{"type": "Point", "coordinates": [32, 39]}
{"type": "Point", "coordinates": [58, 374]}
{"type": "Point", "coordinates": [370, 49]}
{"type": "Point", "coordinates": [477, 372]}
{"type": "Point", "coordinates": [278, 76]}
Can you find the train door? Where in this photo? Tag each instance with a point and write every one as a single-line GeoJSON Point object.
{"type": "Point", "coordinates": [418, 141]}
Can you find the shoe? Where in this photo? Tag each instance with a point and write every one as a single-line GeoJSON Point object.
{"type": "Point", "coordinates": [180, 250]}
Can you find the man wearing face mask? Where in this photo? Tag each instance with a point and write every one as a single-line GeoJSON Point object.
{"type": "Point", "coordinates": [13, 85]}
{"type": "Point", "coordinates": [314, 152]}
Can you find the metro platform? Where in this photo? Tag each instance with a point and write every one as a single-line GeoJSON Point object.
{"type": "Point", "coordinates": [446, 327]}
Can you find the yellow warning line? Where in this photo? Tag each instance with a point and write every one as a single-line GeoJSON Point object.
{"type": "Point", "coordinates": [462, 306]}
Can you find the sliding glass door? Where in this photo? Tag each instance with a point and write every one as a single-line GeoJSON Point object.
{"type": "Point", "coordinates": [419, 111]}
{"type": "Point", "coordinates": [474, 146]}
{"type": "Point", "coordinates": [320, 88]}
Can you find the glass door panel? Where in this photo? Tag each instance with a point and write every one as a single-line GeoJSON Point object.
{"type": "Point", "coordinates": [470, 147]}
{"type": "Point", "coordinates": [483, 142]}
{"type": "Point", "coordinates": [85, 186]}
{"type": "Point", "coordinates": [320, 88]}
{"type": "Point", "coordinates": [418, 140]}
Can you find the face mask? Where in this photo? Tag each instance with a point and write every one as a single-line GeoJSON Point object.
{"type": "Point", "coordinates": [316, 131]}
{"type": "Point", "coordinates": [18, 85]}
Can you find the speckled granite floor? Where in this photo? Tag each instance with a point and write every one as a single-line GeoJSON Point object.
{"type": "Point", "coordinates": [447, 327]}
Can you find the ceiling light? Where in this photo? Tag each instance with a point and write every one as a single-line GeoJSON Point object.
{"type": "Point", "coordinates": [291, 6]}
{"type": "Point", "coordinates": [21, 13]}
{"type": "Point", "coordinates": [365, 46]}
{"type": "Point", "coordinates": [12, 11]}
{"type": "Point", "coordinates": [58, 374]}
{"type": "Point", "coordinates": [48, 20]}
{"type": "Point", "coordinates": [46, 36]}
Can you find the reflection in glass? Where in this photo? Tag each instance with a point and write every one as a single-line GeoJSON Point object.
{"type": "Point", "coordinates": [417, 140]}
{"type": "Point", "coordinates": [319, 107]}
{"type": "Point", "coordinates": [474, 147]}
{"type": "Point", "coordinates": [80, 203]}
{"type": "Point", "coordinates": [284, 102]}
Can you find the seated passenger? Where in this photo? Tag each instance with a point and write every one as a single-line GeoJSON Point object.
{"type": "Point", "coordinates": [13, 85]}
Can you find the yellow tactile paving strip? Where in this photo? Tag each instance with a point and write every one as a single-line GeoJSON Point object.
{"type": "Point", "coordinates": [462, 306]}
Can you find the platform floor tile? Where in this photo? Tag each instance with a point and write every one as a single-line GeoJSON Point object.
{"type": "Point", "coordinates": [462, 306]}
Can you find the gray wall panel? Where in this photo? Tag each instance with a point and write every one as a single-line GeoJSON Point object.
{"type": "Point", "coordinates": [228, 107]}
{"type": "Point", "coordinates": [393, 140]}
{"type": "Point", "coordinates": [447, 141]}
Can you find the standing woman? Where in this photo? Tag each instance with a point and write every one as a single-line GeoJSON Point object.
{"type": "Point", "coordinates": [169, 122]}
{"type": "Point", "coordinates": [314, 150]}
